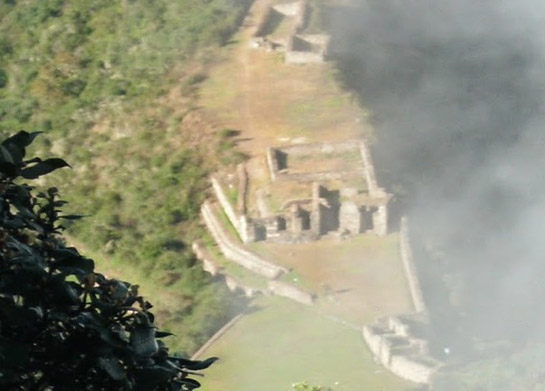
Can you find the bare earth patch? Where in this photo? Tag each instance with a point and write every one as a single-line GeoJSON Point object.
{"type": "Point", "coordinates": [357, 280]}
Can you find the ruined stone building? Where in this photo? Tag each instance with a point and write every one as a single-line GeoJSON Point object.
{"type": "Point", "coordinates": [316, 189]}
{"type": "Point", "coordinates": [284, 27]}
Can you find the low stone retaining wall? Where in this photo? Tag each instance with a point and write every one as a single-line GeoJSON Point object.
{"type": "Point", "coordinates": [226, 205]}
{"type": "Point", "coordinates": [261, 25]}
{"type": "Point", "coordinates": [283, 289]}
{"type": "Point", "coordinates": [241, 223]}
{"type": "Point", "coordinates": [273, 287]}
{"type": "Point", "coordinates": [208, 263]}
{"type": "Point", "coordinates": [298, 57]}
{"type": "Point", "coordinates": [392, 341]}
{"type": "Point", "coordinates": [272, 163]}
{"type": "Point", "coordinates": [234, 252]}
{"type": "Point", "coordinates": [314, 148]}
{"type": "Point", "coordinates": [406, 254]}
{"type": "Point", "coordinates": [407, 363]}
{"type": "Point", "coordinates": [311, 149]}
{"type": "Point", "coordinates": [316, 176]}
{"type": "Point", "coordinates": [234, 285]}
{"type": "Point", "coordinates": [216, 336]}
{"type": "Point", "coordinates": [369, 169]}
{"type": "Point", "coordinates": [242, 188]}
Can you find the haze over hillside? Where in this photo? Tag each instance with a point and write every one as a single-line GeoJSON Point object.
{"type": "Point", "coordinates": [455, 88]}
{"type": "Point", "coordinates": [457, 91]}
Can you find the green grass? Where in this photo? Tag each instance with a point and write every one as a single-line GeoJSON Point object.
{"type": "Point", "coordinates": [224, 220]}
{"type": "Point", "coordinates": [282, 342]}
{"type": "Point", "coordinates": [109, 82]}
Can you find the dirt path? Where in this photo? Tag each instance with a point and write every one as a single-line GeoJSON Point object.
{"type": "Point", "coordinates": [273, 103]}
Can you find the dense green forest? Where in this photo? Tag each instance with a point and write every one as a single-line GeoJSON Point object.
{"type": "Point", "coordinates": [110, 83]}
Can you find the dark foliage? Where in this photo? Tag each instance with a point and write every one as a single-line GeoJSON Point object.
{"type": "Point", "coordinates": [64, 326]}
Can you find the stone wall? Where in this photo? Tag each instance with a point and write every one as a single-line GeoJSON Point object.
{"type": "Point", "coordinates": [377, 199]}
{"type": "Point", "coordinates": [283, 289]}
{"type": "Point", "coordinates": [307, 48]}
{"type": "Point", "coordinates": [297, 57]}
{"type": "Point", "coordinates": [290, 9]}
{"type": "Point", "coordinates": [380, 220]}
{"type": "Point", "coordinates": [208, 263]}
{"type": "Point", "coordinates": [320, 176]}
{"type": "Point", "coordinates": [310, 149]}
{"type": "Point", "coordinates": [216, 336]}
{"type": "Point", "coordinates": [297, 11]}
{"type": "Point", "coordinates": [262, 23]}
{"type": "Point", "coordinates": [315, 148]}
{"type": "Point", "coordinates": [233, 251]}
{"type": "Point", "coordinates": [234, 285]}
{"type": "Point", "coordinates": [406, 254]}
{"type": "Point", "coordinates": [242, 188]}
{"type": "Point", "coordinates": [369, 170]}
{"type": "Point", "coordinates": [400, 353]}
{"type": "Point", "coordinates": [350, 218]}
{"type": "Point", "coordinates": [393, 341]}
{"type": "Point", "coordinates": [226, 205]}
{"type": "Point", "coordinates": [246, 230]}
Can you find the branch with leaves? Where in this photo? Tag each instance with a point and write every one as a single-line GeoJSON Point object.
{"type": "Point", "coordinates": [63, 326]}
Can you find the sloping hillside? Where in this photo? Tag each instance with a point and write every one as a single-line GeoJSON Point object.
{"type": "Point", "coordinates": [112, 85]}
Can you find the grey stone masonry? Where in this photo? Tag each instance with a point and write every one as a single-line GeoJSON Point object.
{"type": "Point", "coordinates": [235, 252]}
{"type": "Point", "coordinates": [392, 342]}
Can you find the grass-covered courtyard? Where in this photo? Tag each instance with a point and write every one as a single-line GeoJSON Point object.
{"type": "Point", "coordinates": [281, 342]}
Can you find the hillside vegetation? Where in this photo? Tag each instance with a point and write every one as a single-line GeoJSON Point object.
{"type": "Point", "coordinates": [110, 83]}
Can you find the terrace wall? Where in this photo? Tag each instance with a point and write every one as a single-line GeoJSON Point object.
{"type": "Point", "coordinates": [303, 49]}
{"type": "Point", "coordinates": [310, 149]}
{"type": "Point", "coordinates": [261, 25]}
{"type": "Point", "coordinates": [208, 263]}
{"type": "Point", "coordinates": [412, 367]}
{"type": "Point", "coordinates": [298, 57]}
{"type": "Point", "coordinates": [233, 251]}
{"type": "Point", "coordinates": [406, 254]}
{"type": "Point", "coordinates": [242, 189]}
{"type": "Point", "coordinates": [283, 289]}
{"type": "Point", "coordinates": [216, 336]}
{"type": "Point", "coordinates": [290, 9]}
{"type": "Point", "coordinates": [369, 170]}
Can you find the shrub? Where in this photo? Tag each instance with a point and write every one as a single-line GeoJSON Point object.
{"type": "Point", "coordinates": [63, 325]}
{"type": "Point", "coordinates": [3, 78]}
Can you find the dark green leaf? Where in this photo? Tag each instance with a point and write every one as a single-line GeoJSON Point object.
{"type": "Point", "coordinates": [42, 168]}
{"type": "Point", "coordinates": [162, 334]}
{"type": "Point", "coordinates": [22, 139]}
{"type": "Point", "coordinates": [72, 217]}
{"type": "Point", "coordinates": [143, 341]}
{"type": "Point", "coordinates": [113, 367]}
{"type": "Point", "coordinates": [189, 384]}
{"type": "Point", "coordinates": [5, 155]}
{"type": "Point", "coordinates": [196, 365]}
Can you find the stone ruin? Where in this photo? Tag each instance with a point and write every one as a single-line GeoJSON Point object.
{"type": "Point", "coordinates": [400, 344]}
{"type": "Point", "coordinates": [341, 196]}
{"type": "Point", "coordinates": [282, 28]}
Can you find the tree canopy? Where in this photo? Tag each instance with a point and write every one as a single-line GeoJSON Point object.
{"type": "Point", "coordinates": [64, 326]}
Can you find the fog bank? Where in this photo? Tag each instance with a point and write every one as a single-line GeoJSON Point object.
{"type": "Point", "coordinates": [457, 92]}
